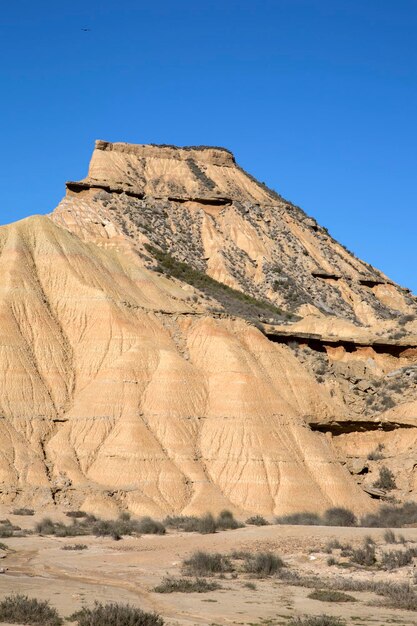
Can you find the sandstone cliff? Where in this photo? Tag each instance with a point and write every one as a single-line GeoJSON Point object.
{"type": "Point", "coordinates": [176, 337]}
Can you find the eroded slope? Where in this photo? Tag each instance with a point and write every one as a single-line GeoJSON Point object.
{"type": "Point", "coordinates": [119, 390]}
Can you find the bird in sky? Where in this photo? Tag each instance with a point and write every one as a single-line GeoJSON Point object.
{"type": "Point", "coordinates": [86, 30]}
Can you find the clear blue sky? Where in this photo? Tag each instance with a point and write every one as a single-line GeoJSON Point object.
{"type": "Point", "coordinates": [318, 98]}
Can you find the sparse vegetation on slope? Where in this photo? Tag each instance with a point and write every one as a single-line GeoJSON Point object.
{"type": "Point", "coordinates": [233, 301]}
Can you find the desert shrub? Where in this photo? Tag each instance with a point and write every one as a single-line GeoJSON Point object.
{"type": "Point", "coordinates": [365, 555]}
{"type": "Point", "coordinates": [207, 524]}
{"type": "Point", "coordinates": [257, 520]}
{"type": "Point", "coordinates": [330, 595]}
{"type": "Point", "coordinates": [249, 585]}
{"type": "Point", "coordinates": [3, 546]}
{"type": "Point", "coordinates": [5, 532]}
{"type": "Point", "coordinates": [317, 620]}
{"type": "Point", "coordinates": [187, 523]}
{"type": "Point", "coordinates": [339, 516]}
{"type": "Point", "coordinates": [90, 525]}
{"type": "Point", "coordinates": [107, 528]}
{"type": "Point", "coordinates": [386, 480]}
{"type": "Point", "coordinates": [397, 558]}
{"type": "Point", "coordinates": [376, 455]}
{"type": "Point", "coordinates": [205, 564]}
{"type": "Point", "coordinates": [240, 555]}
{"type": "Point", "coordinates": [113, 614]}
{"type": "Point", "coordinates": [346, 549]}
{"type": "Point", "coordinates": [336, 516]}
{"type": "Point", "coordinates": [23, 512]}
{"type": "Point", "coordinates": [389, 537]}
{"type": "Point", "coordinates": [76, 514]}
{"type": "Point", "coordinates": [331, 561]}
{"type": "Point", "coordinates": [398, 596]}
{"type": "Point", "coordinates": [75, 546]}
{"type": "Point", "coordinates": [263, 564]}
{"type": "Point", "coordinates": [226, 521]}
{"type": "Point", "coordinates": [300, 519]}
{"type": "Point", "coordinates": [20, 609]}
{"type": "Point", "coordinates": [45, 527]}
{"type": "Point", "coordinates": [331, 545]}
{"type": "Point", "coordinates": [391, 516]}
{"type": "Point", "coordinates": [185, 585]}
{"type": "Point", "coordinates": [148, 526]}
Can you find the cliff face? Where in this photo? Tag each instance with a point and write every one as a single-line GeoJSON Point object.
{"type": "Point", "coordinates": [203, 208]}
{"type": "Point", "coordinates": [176, 337]}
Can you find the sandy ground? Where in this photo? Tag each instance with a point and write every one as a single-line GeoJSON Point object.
{"type": "Point", "coordinates": [127, 571]}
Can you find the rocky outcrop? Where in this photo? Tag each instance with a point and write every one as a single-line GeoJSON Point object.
{"type": "Point", "coordinates": [176, 337]}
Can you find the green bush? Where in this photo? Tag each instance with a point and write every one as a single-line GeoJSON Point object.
{"type": "Point", "coordinates": [389, 537]}
{"type": "Point", "coordinates": [90, 525]}
{"type": "Point", "coordinates": [205, 564]}
{"type": "Point", "coordinates": [263, 564]}
{"type": "Point", "coordinates": [300, 519]}
{"type": "Point", "coordinates": [226, 521]}
{"type": "Point", "coordinates": [397, 558]}
{"type": "Point", "coordinates": [333, 544]}
{"type": "Point", "coordinates": [45, 527]}
{"type": "Point", "coordinates": [329, 595]}
{"type": "Point", "coordinates": [185, 585]}
{"type": "Point", "coordinates": [148, 526]}
{"type": "Point", "coordinates": [113, 614]}
{"type": "Point", "coordinates": [257, 520]}
{"type": "Point", "coordinates": [365, 555]}
{"type": "Point", "coordinates": [339, 516]}
{"type": "Point", "coordinates": [386, 480]}
{"type": "Point", "coordinates": [207, 524]}
{"type": "Point", "coordinates": [398, 596]}
{"type": "Point", "coordinates": [20, 609]}
{"type": "Point", "coordinates": [392, 516]}
{"type": "Point", "coordinates": [186, 523]}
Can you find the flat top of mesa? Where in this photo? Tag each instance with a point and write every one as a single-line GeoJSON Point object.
{"type": "Point", "coordinates": [215, 154]}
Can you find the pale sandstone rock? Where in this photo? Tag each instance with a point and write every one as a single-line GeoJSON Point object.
{"type": "Point", "coordinates": [120, 388]}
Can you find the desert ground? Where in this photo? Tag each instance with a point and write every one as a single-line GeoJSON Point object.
{"type": "Point", "coordinates": [129, 569]}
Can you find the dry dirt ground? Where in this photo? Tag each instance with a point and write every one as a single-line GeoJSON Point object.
{"type": "Point", "coordinates": [127, 571]}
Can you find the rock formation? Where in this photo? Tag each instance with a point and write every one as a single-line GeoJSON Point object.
{"type": "Point", "coordinates": [176, 337]}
